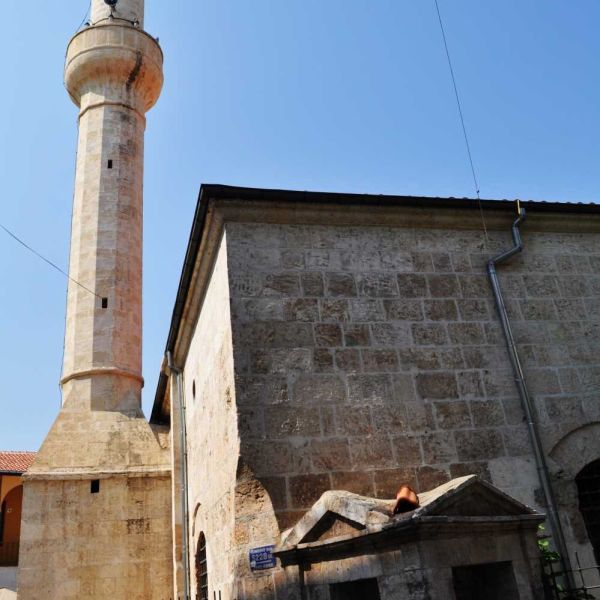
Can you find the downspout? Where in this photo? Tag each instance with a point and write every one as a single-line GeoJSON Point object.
{"type": "Point", "coordinates": [526, 400]}
{"type": "Point", "coordinates": [178, 373]}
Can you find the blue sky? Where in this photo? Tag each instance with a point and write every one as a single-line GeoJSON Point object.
{"type": "Point", "coordinates": [331, 95]}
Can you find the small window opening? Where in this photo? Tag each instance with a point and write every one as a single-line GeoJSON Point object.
{"type": "Point", "coordinates": [110, 163]}
{"type": "Point", "coordinates": [201, 570]}
{"type": "Point", "coordinates": [194, 389]}
{"type": "Point", "coordinates": [95, 486]}
{"type": "Point", "coordinates": [492, 581]}
{"type": "Point", "coordinates": [588, 488]}
{"type": "Point", "coordinates": [104, 302]}
{"type": "Point", "coordinates": [363, 589]}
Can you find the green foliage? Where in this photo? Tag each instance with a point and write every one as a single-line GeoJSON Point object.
{"type": "Point", "coordinates": [549, 558]}
{"type": "Point", "coordinates": [543, 542]}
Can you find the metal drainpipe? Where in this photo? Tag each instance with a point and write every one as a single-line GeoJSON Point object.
{"type": "Point", "coordinates": [184, 476]}
{"type": "Point", "coordinates": [526, 401]}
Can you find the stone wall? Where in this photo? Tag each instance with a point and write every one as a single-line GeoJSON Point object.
{"type": "Point", "coordinates": [370, 356]}
{"type": "Point", "coordinates": [112, 544]}
{"type": "Point", "coordinates": [213, 446]}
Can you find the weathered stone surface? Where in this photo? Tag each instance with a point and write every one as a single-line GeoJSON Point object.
{"type": "Point", "coordinates": [439, 448]}
{"type": "Point", "coordinates": [412, 286]}
{"type": "Point", "coordinates": [371, 452]}
{"type": "Point", "coordinates": [377, 361]}
{"type": "Point", "coordinates": [328, 335]}
{"type": "Point", "coordinates": [348, 360]}
{"type": "Point", "coordinates": [357, 335]}
{"type": "Point", "coordinates": [340, 284]}
{"type": "Point", "coordinates": [443, 286]}
{"type": "Point", "coordinates": [452, 415]}
{"type": "Point", "coordinates": [441, 310]}
{"type": "Point", "coordinates": [388, 481]}
{"type": "Point", "coordinates": [370, 389]}
{"type": "Point", "coordinates": [478, 445]}
{"type": "Point", "coordinates": [318, 389]}
{"type": "Point", "coordinates": [305, 490]}
{"type": "Point", "coordinates": [312, 284]}
{"type": "Point", "coordinates": [422, 388]}
{"type": "Point", "coordinates": [429, 334]}
{"type": "Point", "coordinates": [437, 385]}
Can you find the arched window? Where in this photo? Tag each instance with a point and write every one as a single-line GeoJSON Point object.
{"type": "Point", "coordinates": [588, 487]}
{"type": "Point", "coordinates": [201, 569]}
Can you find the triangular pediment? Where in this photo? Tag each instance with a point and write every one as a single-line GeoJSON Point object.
{"type": "Point", "coordinates": [470, 497]}
{"type": "Point", "coordinates": [332, 525]}
{"type": "Point", "coordinates": [338, 513]}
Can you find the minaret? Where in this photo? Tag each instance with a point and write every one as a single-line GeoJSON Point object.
{"type": "Point", "coordinates": [96, 513]}
{"type": "Point", "coordinates": [114, 75]}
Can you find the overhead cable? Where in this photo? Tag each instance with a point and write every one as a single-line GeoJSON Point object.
{"type": "Point", "coordinates": [54, 266]}
{"type": "Point", "coordinates": [462, 120]}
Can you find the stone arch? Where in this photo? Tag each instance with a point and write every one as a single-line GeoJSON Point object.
{"type": "Point", "coordinates": [569, 457]}
{"type": "Point", "coordinates": [576, 449]}
{"type": "Point", "coordinates": [194, 518]}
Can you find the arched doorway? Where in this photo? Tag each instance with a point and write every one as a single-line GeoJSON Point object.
{"type": "Point", "coordinates": [588, 489]}
{"type": "Point", "coordinates": [201, 569]}
{"type": "Point", "coordinates": [11, 516]}
{"type": "Point", "coordinates": [10, 527]}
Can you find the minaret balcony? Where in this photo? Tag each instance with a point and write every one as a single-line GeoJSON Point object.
{"type": "Point", "coordinates": [114, 62]}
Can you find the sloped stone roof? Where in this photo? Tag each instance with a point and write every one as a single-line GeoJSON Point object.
{"type": "Point", "coordinates": [15, 462]}
{"type": "Point", "coordinates": [465, 499]}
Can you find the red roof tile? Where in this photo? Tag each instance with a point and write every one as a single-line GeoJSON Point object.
{"type": "Point", "coordinates": [15, 462]}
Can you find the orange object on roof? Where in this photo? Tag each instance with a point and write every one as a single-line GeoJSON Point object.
{"type": "Point", "coordinates": [406, 500]}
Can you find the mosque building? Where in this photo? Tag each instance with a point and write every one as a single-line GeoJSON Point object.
{"type": "Point", "coordinates": [361, 396]}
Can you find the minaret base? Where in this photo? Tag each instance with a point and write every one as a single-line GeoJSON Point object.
{"type": "Point", "coordinates": [104, 480]}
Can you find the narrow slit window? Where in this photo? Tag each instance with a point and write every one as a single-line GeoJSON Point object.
{"type": "Point", "coordinates": [110, 163]}
{"type": "Point", "coordinates": [104, 302]}
{"type": "Point", "coordinates": [95, 486]}
{"type": "Point", "coordinates": [201, 570]}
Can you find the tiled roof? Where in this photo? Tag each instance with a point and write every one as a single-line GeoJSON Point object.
{"type": "Point", "coordinates": [15, 462]}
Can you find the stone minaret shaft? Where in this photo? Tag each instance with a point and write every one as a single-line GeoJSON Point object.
{"type": "Point", "coordinates": [114, 74]}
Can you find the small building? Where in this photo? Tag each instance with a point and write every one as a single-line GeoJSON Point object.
{"type": "Point", "coordinates": [466, 539]}
{"type": "Point", "coordinates": [12, 467]}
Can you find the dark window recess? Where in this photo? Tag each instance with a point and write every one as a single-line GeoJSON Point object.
{"type": "Point", "coordinates": [109, 163]}
{"type": "Point", "coordinates": [194, 389]}
{"type": "Point", "coordinates": [201, 569]}
{"type": "Point", "coordinates": [492, 581]}
{"type": "Point", "coordinates": [95, 486]}
{"type": "Point", "coordinates": [104, 302]}
{"type": "Point", "coordinates": [363, 589]}
{"type": "Point", "coordinates": [588, 488]}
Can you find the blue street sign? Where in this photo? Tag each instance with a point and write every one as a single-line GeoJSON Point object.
{"type": "Point", "coordinates": [262, 558]}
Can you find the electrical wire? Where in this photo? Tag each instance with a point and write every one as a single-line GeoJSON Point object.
{"type": "Point", "coordinates": [54, 266]}
{"type": "Point", "coordinates": [462, 119]}
{"type": "Point", "coordinates": [87, 12]}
